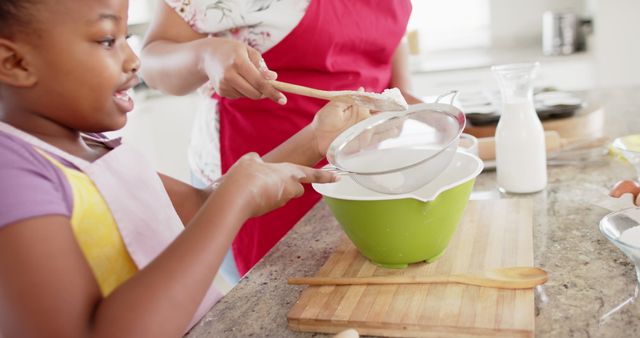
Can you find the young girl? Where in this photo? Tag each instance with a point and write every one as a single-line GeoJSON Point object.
{"type": "Point", "coordinates": [92, 241]}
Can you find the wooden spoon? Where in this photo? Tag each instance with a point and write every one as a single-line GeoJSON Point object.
{"type": "Point", "coordinates": [502, 278]}
{"type": "Point", "coordinates": [389, 100]}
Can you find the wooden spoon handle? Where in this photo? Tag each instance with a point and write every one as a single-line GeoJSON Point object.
{"type": "Point", "coordinates": [302, 90]}
{"type": "Point", "coordinates": [366, 280]}
{"type": "Point", "coordinates": [577, 143]}
{"type": "Point", "coordinates": [379, 280]}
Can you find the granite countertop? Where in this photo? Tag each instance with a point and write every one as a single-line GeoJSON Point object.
{"type": "Point", "coordinates": [589, 276]}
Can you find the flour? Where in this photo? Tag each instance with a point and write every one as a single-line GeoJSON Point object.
{"type": "Point", "coordinates": [389, 100]}
{"type": "Point", "coordinates": [631, 236]}
{"type": "Point", "coordinates": [392, 95]}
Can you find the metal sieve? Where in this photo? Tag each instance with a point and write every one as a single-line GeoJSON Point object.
{"type": "Point", "coordinates": [399, 152]}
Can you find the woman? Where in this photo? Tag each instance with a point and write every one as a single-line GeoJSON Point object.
{"type": "Point", "coordinates": [331, 45]}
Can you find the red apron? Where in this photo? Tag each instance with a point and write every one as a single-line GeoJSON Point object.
{"type": "Point", "coordinates": [337, 45]}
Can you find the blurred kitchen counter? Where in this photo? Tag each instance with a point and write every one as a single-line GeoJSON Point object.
{"type": "Point", "coordinates": [588, 275]}
{"type": "Point", "coordinates": [464, 59]}
{"type": "Point", "coordinates": [469, 69]}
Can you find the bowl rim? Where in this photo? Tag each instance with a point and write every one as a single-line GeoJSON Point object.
{"type": "Point", "coordinates": [615, 240]}
{"type": "Point", "coordinates": [376, 196]}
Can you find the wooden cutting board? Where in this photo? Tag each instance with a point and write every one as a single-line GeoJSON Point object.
{"type": "Point", "coordinates": [493, 233]}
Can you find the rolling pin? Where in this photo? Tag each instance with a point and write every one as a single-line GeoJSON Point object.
{"type": "Point", "coordinates": [552, 140]}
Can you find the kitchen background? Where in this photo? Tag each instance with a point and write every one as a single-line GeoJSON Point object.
{"type": "Point", "coordinates": [453, 45]}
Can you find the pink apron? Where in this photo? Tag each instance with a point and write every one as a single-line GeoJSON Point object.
{"type": "Point", "coordinates": [337, 45]}
{"type": "Point", "coordinates": [140, 205]}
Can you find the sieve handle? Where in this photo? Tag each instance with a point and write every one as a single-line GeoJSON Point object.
{"type": "Point", "coordinates": [336, 170]}
{"type": "Point", "coordinates": [453, 94]}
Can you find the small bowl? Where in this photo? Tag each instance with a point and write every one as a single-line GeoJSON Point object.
{"type": "Point", "coordinates": [612, 227]}
{"type": "Point", "coordinates": [614, 224]}
{"type": "Point", "coordinates": [396, 230]}
{"type": "Point", "coordinates": [468, 143]}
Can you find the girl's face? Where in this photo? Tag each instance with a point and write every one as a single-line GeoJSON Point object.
{"type": "Point", "coordinates": [83, 64]}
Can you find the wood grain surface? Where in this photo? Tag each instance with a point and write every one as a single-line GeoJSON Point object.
{"type": "Point", "coordinates": [493, 233]}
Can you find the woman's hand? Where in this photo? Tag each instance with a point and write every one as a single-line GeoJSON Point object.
{"type": "Point", "coordinates": [236, 70]}
{"type": "Point", "coordinates": [334, 118]}
{"type": "Point", "coordinates": [267, 186]}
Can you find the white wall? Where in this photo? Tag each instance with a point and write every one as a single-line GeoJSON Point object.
{"type": "Point", "coordinates": [616, 47]}
{"type": "Point", "coordinates": [139, 11]}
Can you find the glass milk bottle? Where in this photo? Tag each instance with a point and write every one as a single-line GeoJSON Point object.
{"type": "Point", "coordinates": [521, 159]}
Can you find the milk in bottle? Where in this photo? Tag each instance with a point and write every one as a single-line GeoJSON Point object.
{"type": "Point", "coordinates": [521, 161]}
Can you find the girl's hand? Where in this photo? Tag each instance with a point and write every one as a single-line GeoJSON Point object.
{"type": "Point", "coordinates": [334, 118]}
{"type": "Point", "coordinates": [236, 70]}
{"type": "Point", "coordinates": [267, 186]}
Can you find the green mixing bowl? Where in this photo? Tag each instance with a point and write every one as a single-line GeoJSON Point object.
{"type": "Point", "coordinates": [396, 230]}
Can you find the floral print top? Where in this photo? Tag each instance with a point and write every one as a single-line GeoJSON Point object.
{"type": "Point", "coordinates": [259, 23]}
